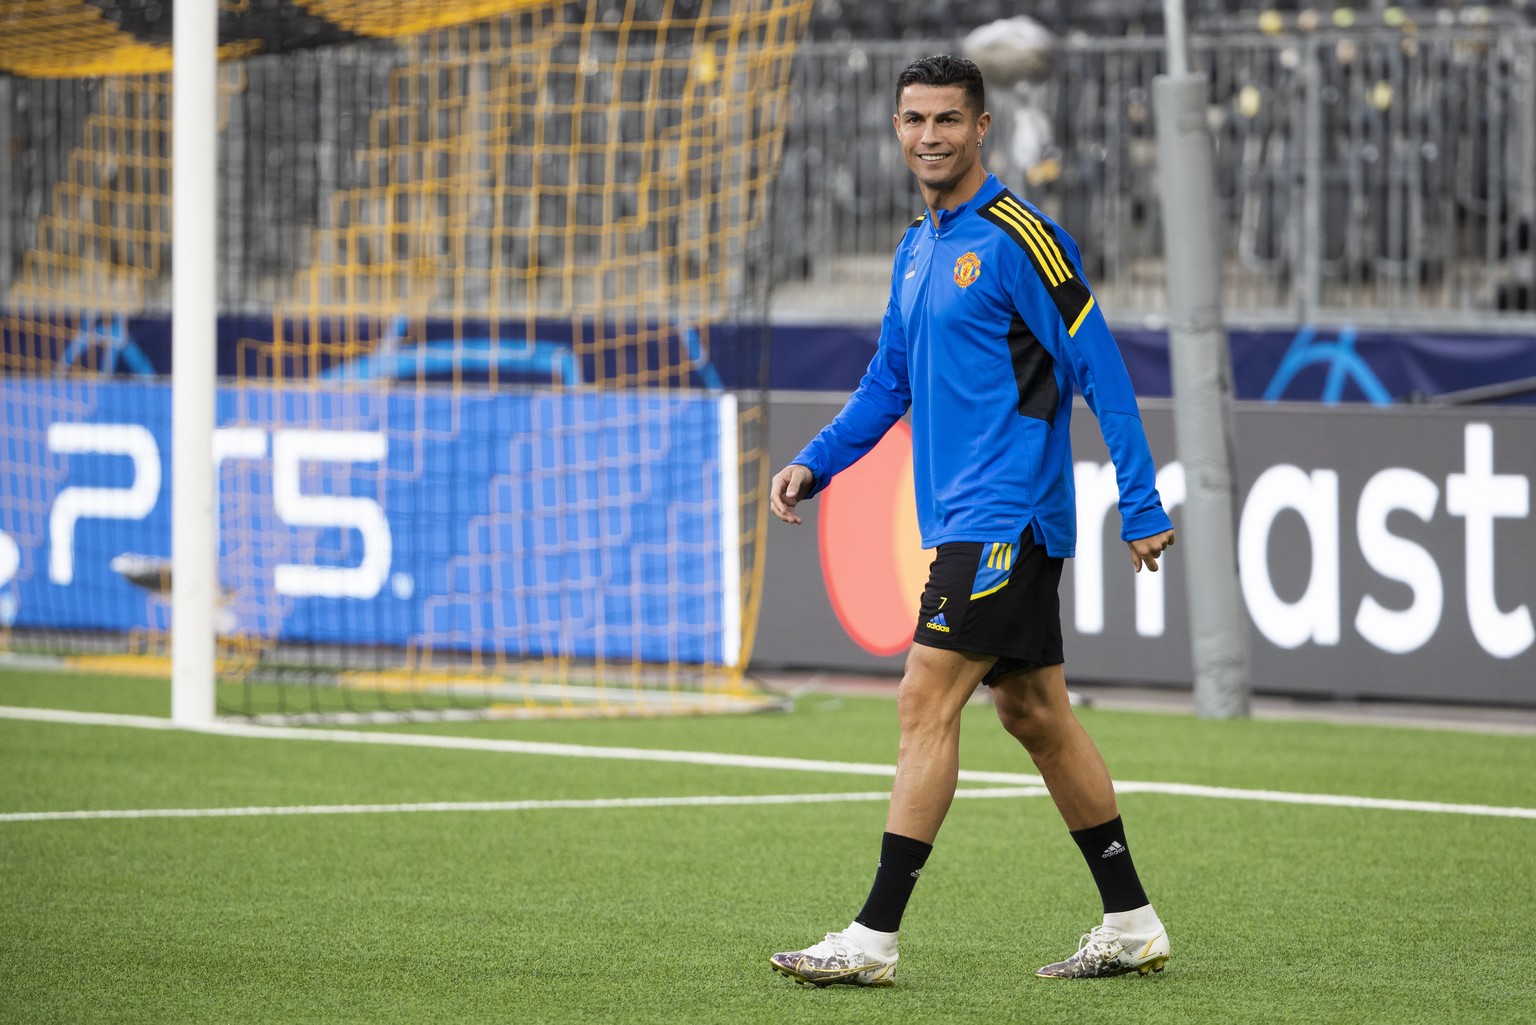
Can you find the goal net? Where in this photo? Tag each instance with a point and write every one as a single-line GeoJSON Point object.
{"type": "Point", "coordinates": [491, 281]}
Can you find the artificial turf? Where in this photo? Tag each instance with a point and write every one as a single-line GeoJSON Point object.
{"type": "Point", "coordinates": [1278, 912]}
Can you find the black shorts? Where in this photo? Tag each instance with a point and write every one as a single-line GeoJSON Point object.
{"type": "Point", "coordinates": [994, 598]}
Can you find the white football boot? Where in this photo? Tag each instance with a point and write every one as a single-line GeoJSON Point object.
{"type": "Point", "coordinates": [1105, 951]}
{"type": "Point", "coordinates": [839, 959]}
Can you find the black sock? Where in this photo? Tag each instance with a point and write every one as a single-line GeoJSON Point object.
{"type": "Point", "coordinates": [901, 862]}
{"type": "Point", "coordinates": [1109, 859]}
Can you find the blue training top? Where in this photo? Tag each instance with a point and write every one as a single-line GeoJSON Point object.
{"type": "Point", "coordinates": [989, 328]}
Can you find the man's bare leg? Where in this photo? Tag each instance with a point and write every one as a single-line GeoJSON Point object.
{"type": "Point", "coordinates": [934, 689]}
{"type": "Point", "coordinates": [1034, 707]}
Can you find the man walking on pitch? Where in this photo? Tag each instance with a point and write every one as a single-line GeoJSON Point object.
{"type": "Point", "coordinates": [988, 330]}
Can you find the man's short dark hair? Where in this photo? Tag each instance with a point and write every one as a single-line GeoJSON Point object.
{"type": "Point", "coordinates": [945, 69]}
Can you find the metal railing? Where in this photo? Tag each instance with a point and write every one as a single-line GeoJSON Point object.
{"type": "Point", "coordinates": [1375, 177]}
{"type": "Point", "coordinates": [1370, 177]}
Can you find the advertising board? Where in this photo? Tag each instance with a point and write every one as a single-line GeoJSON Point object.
{"type": "Point", "coordinates": [1382, 552]}
{"type": "Point", "coordinates": [583, 524]}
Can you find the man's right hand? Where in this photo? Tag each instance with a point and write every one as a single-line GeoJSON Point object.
{"type": "Point", "coordinates": [789, 486]}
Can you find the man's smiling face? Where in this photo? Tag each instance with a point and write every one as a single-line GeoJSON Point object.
{"type": "Point", "coordinates": [940, 137]}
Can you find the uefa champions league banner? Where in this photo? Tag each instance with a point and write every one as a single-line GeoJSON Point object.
{"type": "Point", "coordinates": [1304, 364]}
{"type": "Point", "coordinates": [589, 525]}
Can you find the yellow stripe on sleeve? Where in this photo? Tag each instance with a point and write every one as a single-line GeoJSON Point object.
{"type": "Point", "coordinates": [1072, 331]}
{"type": "Point", "coordinates": [1035, 228]}
{"type": "Point", "coordinates": [1046, 264]}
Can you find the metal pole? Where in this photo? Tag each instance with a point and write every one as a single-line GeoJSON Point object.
{"type": "Point", "coordinates": [1310, 288]}
{"type": "Point", "coordinates": [1202, 388]}
{"type": "Point", "coordinates": [1176, 34]}
{"type": "Point", "coordinates": [194, 327]}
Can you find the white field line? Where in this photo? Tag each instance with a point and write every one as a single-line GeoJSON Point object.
{"type": "Point", "coordinates": [229, 729]}
{"type": "Point", "coordinates": [722, 800]}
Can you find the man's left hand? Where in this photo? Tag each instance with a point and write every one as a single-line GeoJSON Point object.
{"type": "Point", "coordinates": [1144, 551]}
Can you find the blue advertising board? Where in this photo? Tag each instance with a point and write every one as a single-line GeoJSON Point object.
{"type": "Point", "coordinates": [525, 523]}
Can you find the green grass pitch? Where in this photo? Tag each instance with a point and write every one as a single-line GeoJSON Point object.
{"type": "Point", "coordinates": [1278, 912]}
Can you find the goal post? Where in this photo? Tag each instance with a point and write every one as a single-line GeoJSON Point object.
{"type": "Point", "coordinates": [484, 397]}
{"type": "Point", "coordinates": [194, 324]}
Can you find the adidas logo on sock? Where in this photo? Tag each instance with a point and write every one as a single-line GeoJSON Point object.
{"type": "Point", "coordinates": [1115, 847]}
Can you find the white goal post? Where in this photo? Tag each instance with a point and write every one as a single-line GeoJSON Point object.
{"type": "Point", "coordinates": [194, 319]}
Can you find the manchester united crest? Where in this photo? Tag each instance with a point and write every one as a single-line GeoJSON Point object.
{"type": "Point", "coordinates": [967, 269]}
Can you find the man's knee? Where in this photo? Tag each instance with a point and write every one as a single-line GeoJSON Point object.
{"type": "Point", "coordinates": [1029, 708]}
{"type": "Point", "coordinates": [1030, 724]}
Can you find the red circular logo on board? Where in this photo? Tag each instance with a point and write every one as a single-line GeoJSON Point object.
{"type": "Point", "coordinates": [872, 556]}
